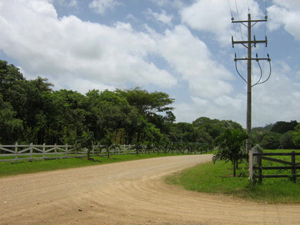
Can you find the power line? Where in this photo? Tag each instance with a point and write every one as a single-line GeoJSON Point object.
{"type": "Point", "coordinates": [238, 14]}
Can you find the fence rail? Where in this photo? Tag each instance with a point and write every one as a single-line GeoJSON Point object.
{"type": "Point", "coordinates": [30, 152]}
{"type": "Point", "coordinates": [256, 165]}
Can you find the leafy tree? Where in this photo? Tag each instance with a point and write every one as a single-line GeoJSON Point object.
{"type": "Point", "coordinates": [32, 102]}
{"type": "Point", "coordinates": [10, 126]}
{"type": "Point", "coordinates": [270, 140]}
{"type": "Point", "coordinates": [9, 74]}
{"type": "Point", "coordinates": [231, 147]}
{"type": "Point", "coordinates": [212, 127]}
{"type": "Point", "coordinates": [283, 127]}
{"type": "Point", "coordinates": [147, 103]}
{"type": "Point", "coordinates": [296, 136]}
{"type": "Point", "coordinates": [107, 110]}
{"type": "Point", "coordinates": [286, 140]}
{"type": "Point", "coordinates": [69, 117]}
{"type": "Point", "coordinates": [153, 106]}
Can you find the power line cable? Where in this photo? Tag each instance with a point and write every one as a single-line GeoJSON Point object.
{"type": "Point", "coordinates": [238, 14]}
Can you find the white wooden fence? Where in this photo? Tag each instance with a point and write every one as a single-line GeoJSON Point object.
{"type": "Point", "coordinates": [30, 152]}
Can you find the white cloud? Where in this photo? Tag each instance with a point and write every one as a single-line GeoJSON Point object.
{"type": "Point", "coordinates": [214, 16]}
{"type": "Point", "coordinates": [277, 99]}
{"type": "Point", "coordinates": [75, 49]}
{"type": "Point", "coordinates": [290, 4]}
{"type": "Point", "coordinates": [285, 13]}
{"type": "Point", "coordinates": [191, 58]}
{"type": "Point", "coordinates": [101, 6]}
{"type": "Point", "coordinates": [162, 17]}
{"type": "Point", "coordinates": [223, 108]}
{"type": "Point", "coordinates": [80, 85]}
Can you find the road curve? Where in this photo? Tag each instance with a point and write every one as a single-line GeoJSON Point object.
{"type": "Point", "coordinates": [127, 193]}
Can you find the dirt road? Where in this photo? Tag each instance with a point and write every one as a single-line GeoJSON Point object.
{"type": "Point", "coordinates": [127, 193]}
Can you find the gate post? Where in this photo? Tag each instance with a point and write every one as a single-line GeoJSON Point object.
{"type": "Point", "coordinates": [293, 158]}
{"type": "Point", "coordinates": [259, 169]}
{"type": "Point", "coordinates": [251, 166]}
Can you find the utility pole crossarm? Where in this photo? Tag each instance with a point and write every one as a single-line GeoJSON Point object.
{"type": "Point", "coordinates": [246, 43]}
{"type": "Point", "coordinates": [246, 21]}
{"type": "Point", "coordinates": [256, 59]}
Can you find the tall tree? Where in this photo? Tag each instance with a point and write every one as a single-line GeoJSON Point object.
{"type": "Point", "coordinates": [155, 106]}
{"type": "Point", "coordinates": [283, 127]}
{"type": "Point", "coordinates": [147, 103]}
{"type": "Point", "coordinates": [9, 74]}
{"type": "Point", "coordinates": [10, 126]}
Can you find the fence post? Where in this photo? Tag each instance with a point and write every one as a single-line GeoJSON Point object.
{"type": "Point", "coordinates": [55, 150]}
{"type": "Point", "coordinates": [16, 152]}
{"type": "Point", "coordinates": [259, 169]}
{"type": "Point", "coordinates": [66, 150]}
{"type": "Point", "coordinates": [30, 149]}
{"type": "Point", "coordinates": [293, 159]}
{"type": "Point", "coordinates": [44, 151]}
{"type": "Point", "coordinates": [251, 166]}
{"type": "Point", "coordinates": [93, 149]}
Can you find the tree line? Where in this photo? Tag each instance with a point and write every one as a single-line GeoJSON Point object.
{"type": "Point", "coordinates": [32, 112]}
{"type": "Point", "coordinates": [281, 134]}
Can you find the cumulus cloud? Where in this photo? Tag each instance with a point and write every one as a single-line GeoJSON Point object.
{"type": "Point", "coordinates": [70, 47]}
{"type": "Point", "coordinates": [101, 6]}
{"type": "Point", "coordinates": [191, 58]}
{"type": "Point", "coordinates": [162, 17]}
{"type": "Point", "coordinates": [223, 108]}
{"type": "Point", "coordinates": [213, 16]}
{"type": "Point", "coordinates": [285, 13]}
{"type": "Point", "coordinates": [275, 100]}
{"type": "Point", "coordinates": [278, 99]}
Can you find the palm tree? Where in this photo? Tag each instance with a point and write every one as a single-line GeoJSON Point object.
{"type": "Point", "coordinates": [231, 147]}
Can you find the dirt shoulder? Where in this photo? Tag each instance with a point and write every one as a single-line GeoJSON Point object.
{"type": "Point", "coordinates": [127, 193]}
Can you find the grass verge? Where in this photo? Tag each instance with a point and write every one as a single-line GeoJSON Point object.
{"type": "Point", "coordinates": [217, 179]}
{"type": "Point", "coordinates": [25, 167]}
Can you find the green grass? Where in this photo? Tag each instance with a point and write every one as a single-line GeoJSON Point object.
{"type": "Point", "coordinates": [25, 167]}
{"type": "Point", "coordinates": [217, 179]}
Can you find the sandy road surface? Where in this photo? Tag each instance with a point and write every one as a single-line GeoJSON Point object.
{"type": "Point", "coordinates": [127, 193]}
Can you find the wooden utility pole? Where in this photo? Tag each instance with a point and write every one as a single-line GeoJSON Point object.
{"type": "Point", "coordinates": [249, 44]}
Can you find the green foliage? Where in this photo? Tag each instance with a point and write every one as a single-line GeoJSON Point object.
{"type": "Point", "coordinates": [296, 136]}
{"type": "Point", "coordinates": [270, 140]}
{"type": "Point", "coordinates": [32, 112]}
{"type": "Point", "coordinates": [9, 125]}
{"type": "Point", "coordinates": [145, 102]}
{"type": "Point", "coordinates": [286, 140]}
{"type": "Point", "coordinates": [231, 145]}
{"type": "Point", "coordinates": [86, 141]}
{"type": "Point", "coordinates": [279, 135]}
{"type": "Point", "coordinates": [283, 127]}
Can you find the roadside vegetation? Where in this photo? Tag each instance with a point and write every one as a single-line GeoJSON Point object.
{"type": "Point", "coordinates": [217, 178]}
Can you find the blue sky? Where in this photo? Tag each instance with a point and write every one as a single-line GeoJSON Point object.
{"type": "Point", "coordinates": [181, 47]}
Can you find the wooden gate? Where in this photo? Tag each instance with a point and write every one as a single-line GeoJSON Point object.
{"type": "Point", "coordinates": [257, 165]}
